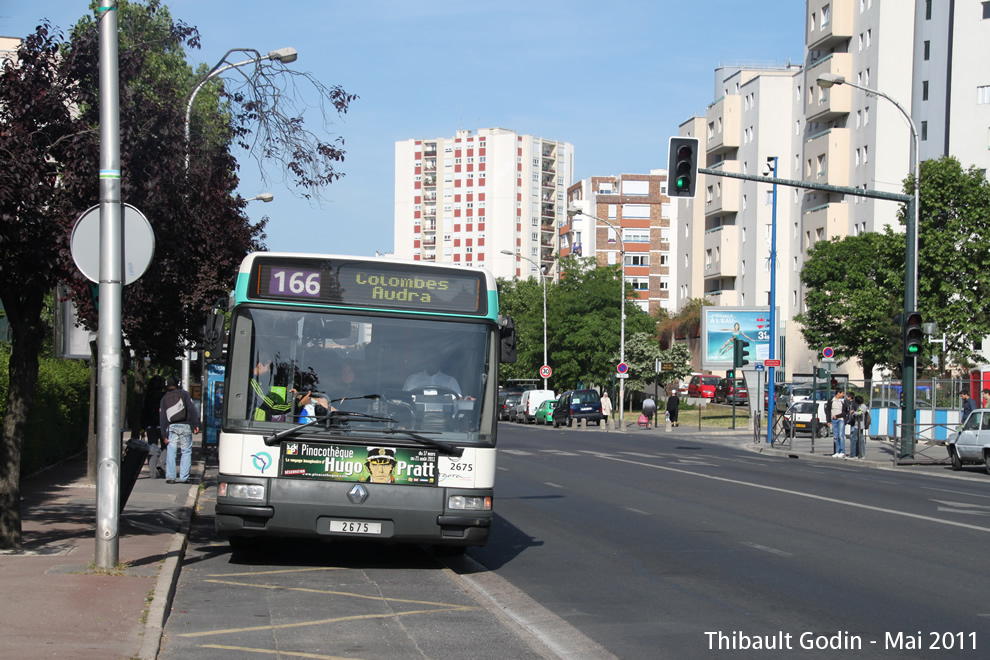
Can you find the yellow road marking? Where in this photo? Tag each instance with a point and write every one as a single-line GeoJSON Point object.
{"type": "Point", "coordinates": [294, 654]}
{"type": "Point", "coordinates": [281, 626]}
{"type": "Point", "coordinates": [276, 587]}
{"type": "Point", "coordinates": [285, 570]}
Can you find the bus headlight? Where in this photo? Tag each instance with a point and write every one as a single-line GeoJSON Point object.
{"type": "Point", "coordinates": [241, 491]}
{"type": "Point", "coordinates": [469, 503]}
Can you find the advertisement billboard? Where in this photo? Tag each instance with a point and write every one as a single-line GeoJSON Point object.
{"type": "Point", "coordinates": [721, 326]}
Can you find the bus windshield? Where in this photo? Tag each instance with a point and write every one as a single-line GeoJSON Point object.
{"type": "Point", "coordinates": [360, 375]}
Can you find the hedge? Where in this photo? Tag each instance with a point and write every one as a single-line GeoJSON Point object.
{"type": "Point", "coordinates": [57, 426]}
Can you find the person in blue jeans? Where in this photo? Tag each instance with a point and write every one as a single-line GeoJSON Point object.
{"type": "Point", "coordinates": [179, 419]}
{"type": "Point", "coordinates": [837, 411]}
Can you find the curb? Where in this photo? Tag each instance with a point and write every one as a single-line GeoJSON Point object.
{"type": "Point", "coordinates": [168, 576]}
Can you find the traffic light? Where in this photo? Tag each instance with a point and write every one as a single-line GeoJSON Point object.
{"type": "Point", "coordinates": [730, 374]}
{"type": "Point", "coordinates": [739, 353]}
{"type": "Point", "coordinates": [682, 166]}
{"type": "Point", "coordinates": [913, 334]}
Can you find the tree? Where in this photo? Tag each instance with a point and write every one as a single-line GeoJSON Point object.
{"type": "Point", "coordinates": [954, 253]}
{"type": "Point", "coordinates": [38, 137]}
{"type": "Point", "coordinates": [523, 301]}
{"type": "Point", "coordinates": [49, 138]}
{"type": "Point", "coordinates": [852, 295]}
{"type": "Point", "coordinates": [685, 324]}
{"type": "Point", "coordinates": [642, 353]}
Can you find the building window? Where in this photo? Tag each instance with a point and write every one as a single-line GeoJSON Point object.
{"type": "Point", "coordinates": [924, 90]}
{"type": "Point", "coordinates": [928, 10]}
{"type": "Point", "coordinates": [924, 131]}
{"type": "Point", "coordinates": [983, 95]}
{"type": "Point", "coordinates": [986, 10]}
{"type": "Point", "coordinates": [826, 13]}
{"type": "Point", "coordinates": [928, 50]}
{"type": "Point", "coordinates": [635, 236]}
{"type": "Point", "coordinates": [637, 260]}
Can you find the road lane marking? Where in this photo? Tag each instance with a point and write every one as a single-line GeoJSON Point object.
{"type": "Point", "coordinates": [957, 492]}
{"type": "Point", "coordinates": [552, 485]}
{"type": "Point", "coordinates": [291, 654]}
{"type": "Point", "coordinates": [963, 507]}
{"type": "Point", "coordinates": [764, 548]}
{"type": "Point", "coordinates": [810, 496]}
{"type": "Point", "coordinates": [629, 508]}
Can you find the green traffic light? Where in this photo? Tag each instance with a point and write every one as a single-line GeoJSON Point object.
{"type": "Point", "coordinates": [913, 349]}
{"type": "Point", "coordinates": [682, 183]}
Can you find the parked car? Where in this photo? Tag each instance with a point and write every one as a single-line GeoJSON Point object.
{"type": "Point", "coordinates": [531, 400]}
{"type": "Point", "coordinates": [578, 405]}
{"type": "Point", "coordinates": [731, 391]}
{"type": "Point", "coordinates": [971, 443]}
{"type": "Point", "coordinates": [544, 414]}
{"type": "Point", "coordinates": [789, 393]}
{"type": "Point", "coordinates": [799, 417]}
{"type": "Point", "coordinates": [702, 387]}
{"type": "Point", "coordinates": [508, 407]}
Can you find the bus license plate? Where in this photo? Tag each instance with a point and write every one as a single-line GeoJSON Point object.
{"type": "Point", "coordinates": [355, 527]}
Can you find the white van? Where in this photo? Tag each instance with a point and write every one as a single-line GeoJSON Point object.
{"type": "Point", "coordinates": [530, 401]}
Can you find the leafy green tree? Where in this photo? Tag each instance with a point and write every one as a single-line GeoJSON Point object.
{"type": "Point", "coordinates": [642, 352]}
{"type": "Point", "coordinates": [523, 301]}
{"type": "Point", "coordinates": [679, 356]}
{"type": "Point", "coordinates": [852, 294]}
{"type": "Point", "coordinates": [954, 253]}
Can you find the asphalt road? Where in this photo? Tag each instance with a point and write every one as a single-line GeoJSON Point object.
{"type": "Point", "coordinates": [667, 545]}
{"type": "Point", "coordinates": [639, 545]}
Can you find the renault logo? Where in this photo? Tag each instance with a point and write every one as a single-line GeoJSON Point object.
{"type": "Point", "coordinates": [357, 494]}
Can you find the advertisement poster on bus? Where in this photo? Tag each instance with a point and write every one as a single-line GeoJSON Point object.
{"type": "Point", "coordinates": [379, 465]}
{"type": "Point", "coordinates": [214, 404]}
{"type": "Point", "coordinates": [722, 326]}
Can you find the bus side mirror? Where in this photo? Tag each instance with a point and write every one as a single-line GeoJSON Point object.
{"type": "Point", "coordinates": [507, 336]}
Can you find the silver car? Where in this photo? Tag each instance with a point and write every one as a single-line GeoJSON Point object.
{"type": "Point", "coordinates": [971, 443]}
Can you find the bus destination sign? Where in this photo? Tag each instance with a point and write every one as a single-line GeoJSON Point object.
{"type": "Point", "coordinates": [368, 284]}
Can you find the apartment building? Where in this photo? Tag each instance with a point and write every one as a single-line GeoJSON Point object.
{"type": "Point", "coordinates": [637, 206]}
{"type": "Point", "coordinates": [835, 135]}
{"type": "Point", "coordinates": [464, 199]}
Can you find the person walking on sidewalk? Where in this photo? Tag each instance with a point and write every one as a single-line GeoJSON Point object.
{"type": "Point", "coordinates": [673, 406]}
{"type": "Point", "coordinates": [857, 421]}
{"type": "Point", "coordinates": [837, 411]}
{"type": "Point", "coordinates": [150, 424]}
{"type": "Point", "coordinates": [606, 408]}
{"type": "Point", "coordinates": [649, 410]}
{"type": "Point", "coordinates": [179, 420]}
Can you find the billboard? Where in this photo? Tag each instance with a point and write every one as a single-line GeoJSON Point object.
{"type": "Point", "coordinates": [720, 326]}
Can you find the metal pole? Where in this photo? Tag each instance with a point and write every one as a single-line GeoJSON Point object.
{"type": "Point", "coordinates": [771, 380]}
{"type": "Point", "coordinates": [543, 278]}
{"type": "Point", "coordinates": [109, 342]}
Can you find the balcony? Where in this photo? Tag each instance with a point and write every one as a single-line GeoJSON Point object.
{"type": "Point", "coordinates": [825, 222]}
{"type": "Point", "coordinates": [547, 211]}
{"type": "Point", "coordinates": [429, 182]}
{"type": "Point", "coordinates": [548, 182]}
{"type": "Point", "coordinates": [827, 103]}
{"type": "Point", "coordinates": [723, 119]}
{"type": "Point", "coordinates": [723, 244]}
{"type": "Point", "coordinates": [722, 194]}
{"type": "Point", "coordinates": [723, 298]}
{"type": "Point", "coordinates": [827, 157]}
{"type": "Point", "coordinates": [829, 23]}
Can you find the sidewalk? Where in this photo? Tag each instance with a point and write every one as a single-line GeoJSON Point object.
{"type": "Point", "coordinates": [52, 602]}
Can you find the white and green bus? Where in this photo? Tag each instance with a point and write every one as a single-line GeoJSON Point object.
{"type": "Point", "coordinates": [360, 400]}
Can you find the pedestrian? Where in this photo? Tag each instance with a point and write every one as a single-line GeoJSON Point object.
{"type": "Point", "coordinates": [985, 403]}
{"type": "Point", "coordinates": [150, 426]}
{"type": "Point", "coordinates": [837, 411]}
{"type": "Point", "coordinates": [178, 419]}
{"type": "Point", "coordinates": [673, 406]}
{"type": "Point", "coordinates": [649, 410]}
{"type": "Point", "coordinates": [606, 408]}
{"type": "Point", "coordinates": [857, 439]}
{"type": "Point", "coordinates": [968, 405]}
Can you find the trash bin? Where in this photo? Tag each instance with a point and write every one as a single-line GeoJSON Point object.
{"type": "Point", "coordinates": [135, 453]}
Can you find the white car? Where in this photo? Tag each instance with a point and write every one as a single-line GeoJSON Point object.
{"type": "Point", "coordinates": [799, 417]}
{"type": "Point", "coordinates": [971, 443]}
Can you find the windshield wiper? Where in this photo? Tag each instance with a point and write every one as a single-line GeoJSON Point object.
{"type": "Point", "coordinates": [445, 447]}
{"type": "Point", "coordinates": [335, 418]}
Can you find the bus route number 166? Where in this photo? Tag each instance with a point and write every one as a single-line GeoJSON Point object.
{"type": "Point", "coordinates": [304, 283]}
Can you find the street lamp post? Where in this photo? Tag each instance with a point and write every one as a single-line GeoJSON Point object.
{"type": "Point", "coordinates": [543, 278]}
{"type": "Point", "coordinates": [283, 55]}
{"type": "Point", "coordinates": [622, 309]}
{"type": "Point", "coordinates": [263, 197]}
{"type": "Point", "coordinates": [827, 80]}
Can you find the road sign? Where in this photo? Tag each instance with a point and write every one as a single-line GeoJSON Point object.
{"type": "Point", "coordinates": [622, 368]}
{"type": "Point", "coordinates": [546, 371]}
{"type": "Point", "coordinates": [668, 366]}
{"type": "Point", "coordinates": [622, 375]}
{"type": "Point", "coordinates": [758, 367]}
{"type": "Point", "coordinates": [828, 352]}
{"type": "Point", "coordinates": [771, 363]}
{"type": "Point", "coordinates": [138, 244]}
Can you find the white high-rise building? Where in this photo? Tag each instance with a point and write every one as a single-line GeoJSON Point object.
{"type": "Point", "coordinates": [465, 199]}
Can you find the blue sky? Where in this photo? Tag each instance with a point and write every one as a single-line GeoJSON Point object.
{"type": "Point", "coordinates": [614, 79]}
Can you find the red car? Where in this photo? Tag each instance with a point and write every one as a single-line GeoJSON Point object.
{"type": "Point", "coordinates": [702, 387]}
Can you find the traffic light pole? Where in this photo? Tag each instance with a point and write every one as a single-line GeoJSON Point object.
{"type": "Point", "coordinates": [910, 274]}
